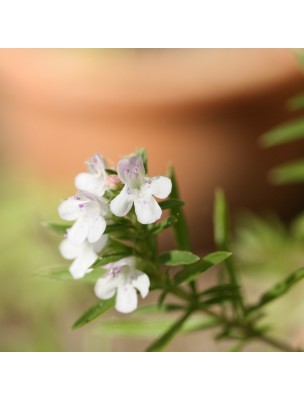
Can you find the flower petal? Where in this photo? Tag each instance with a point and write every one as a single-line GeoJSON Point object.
{"type": "Point", "coordinates": [141, 282]}
{"type": "Point", "coordinates": [122, 203]}
{"type": "Point", "coordinates": [90, 183]}
{"type": "Point", "coordinates": [131, 171]}
{"type": "Point", "coordinates": [100, 244]}
{"type": "Point", "coordinates": [82, 263]}
{"type": "Point", "coordinates": [106, 286]}
{"type": "Point", "coordinates": [126, 299]}
{"type": "Point", "coordinates": [161, 187]}
{"type": "Point", "coordinates": [96, 164]}
{"type": "Point", "coordinates": [69, 209]}
{"type": "Point", "coordinates": [147, 210]}
{"type": "Point", "coordinates": [68, 250]}
{"type": "Point", "coordinates": [97, 226]}
{"type": "Point", "coordinates": [78, 232]}
{"type": "Point", "coordinates": [130, 261]}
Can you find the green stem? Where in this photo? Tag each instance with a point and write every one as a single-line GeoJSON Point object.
{"type": "Point", "coordinates": [251, 332]}
{"type": "Point", "coordinates": [275, 343]}
{"type": "Point", "coordinates": [166, 338]}
{"type": "Point", "coordinates": [238, 302]}
{"type": "Point", "coordinates": [181, 294]}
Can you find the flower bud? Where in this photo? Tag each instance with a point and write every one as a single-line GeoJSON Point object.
{"type": "Point", "coordinates": [113, 182]}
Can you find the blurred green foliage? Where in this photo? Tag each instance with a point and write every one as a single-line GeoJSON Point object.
{"type": "Point", "coordinates": [265, 245]}
{"type": "Point", "coordinates": [290, 131]}
{"type": "Point", "coordinates": [35, 312]}
{"type": "Point", "coordinates": [266, 250]}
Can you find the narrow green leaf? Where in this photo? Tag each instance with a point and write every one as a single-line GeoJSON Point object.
{"type": "Point", "coordinates": [177, 257]}
{"type": "Point", "coordinates": [202, 325]}
{"type": "Point", "coordinates": [221, 290]}
{"type": "Point", "coordinates": [182, 236]}
{"type": "Point", "coordinates": [162, 298]}
{"type": "Point", "coordinates": [93, 312]}
{"type": "Point", "coordinates": [296, 102]}
{"type": "Point", "coordinates": [280, 289]}
{"type": "Point", "coordinates": [62, 227]}
{"type": "Point", "coordinates": [59, 273]}
{"type": "Point", "coordinates": [220, 220]}
{"type": "Point", "coordinates": [165, 339]}
{"type": "Point", "coordinates": [164, 205]}
{"type": "Point", "coordinates": [134, 328]}
{"type": "Point", "coordinates": [143, 154]}
{"type": "Point", "coordinates": [163, 225]}
{"type": "Point", "coordinates": [284, 133]}
{"type": "Point", "coordinates": [191, 272]}
{"type": "Point", "coordinates": [151, 327]}
{"type": "Point", "coordinates": [63, 274]}
{"type": "Point", "coordinates": [221, 237]}
{"type": "Point", "coordinates": [292, 172]}
{"type": "Point", "coordinates": [58, 227]}
{"type": "Point", "coordinates": [218, 300]}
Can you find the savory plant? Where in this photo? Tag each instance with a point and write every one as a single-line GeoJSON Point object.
{"type": "Point", "coordinates": [111, 237]}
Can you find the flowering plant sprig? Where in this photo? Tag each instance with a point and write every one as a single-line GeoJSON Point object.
{"type": "Point", "coordinates": [111, 236]}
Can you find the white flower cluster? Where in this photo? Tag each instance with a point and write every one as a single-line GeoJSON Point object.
{"type": "Point", "coordinates": [91, 210]}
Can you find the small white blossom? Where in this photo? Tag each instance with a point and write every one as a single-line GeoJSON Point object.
{"type": "Point", "coordinates": [84, 255]}
{"type": "Point", "coordinates": [139, 190]}
{"type": "Point", "coordinates": [88, 211]}
{"type": "Point", "coordinates": [93, 181]}
{"type": "Point", "coordinates": [123, 278]}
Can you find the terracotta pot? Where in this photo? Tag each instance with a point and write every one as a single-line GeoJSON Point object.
{"type": "Point", "coordinates": [201, 109]}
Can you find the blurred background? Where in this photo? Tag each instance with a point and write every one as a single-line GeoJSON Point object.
{"type": "Point", "coordinates": [203, 110]}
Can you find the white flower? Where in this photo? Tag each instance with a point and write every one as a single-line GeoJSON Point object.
{"type": "Point", "coordinates": [88, 212]}
{"type": "Point", "coordinates": [139, 190]}
{"type": "Point", "coordinates": [123, 278]}
{"type": "Point", "coordinates": [94, 181]}
{"type": "Point", "coordinates": [84, 255]}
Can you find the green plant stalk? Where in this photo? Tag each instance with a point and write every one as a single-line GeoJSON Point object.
{"type": "Point", "coordinates": [181, 229]}
{"type": "Point", "coordinates": [221, 238]}
{"type": "Point", "coordinates": [250, 332]}
{"type": "Point", "coordinates": [165, 339]}
{"type": "Point", "coordinates": [147, 248]}
{"type": "Point", "coordinates": [238, 302]}
{"type": "Point", "coordinates": [192, 301]}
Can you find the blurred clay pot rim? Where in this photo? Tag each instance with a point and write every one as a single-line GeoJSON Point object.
{"type": "Point", "coordinates": [110, 80]}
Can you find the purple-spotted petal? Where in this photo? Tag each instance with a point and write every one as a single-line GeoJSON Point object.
{"type": "Point", "coordinates": [122, 203]}
{"type": "Point", "coordinates": [147, 210]}
{"type": "Point", "coordinates": [131, 171]}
